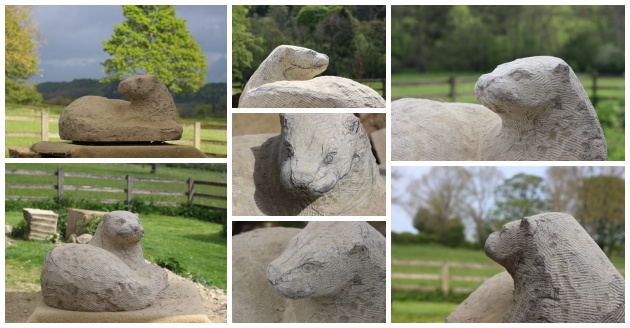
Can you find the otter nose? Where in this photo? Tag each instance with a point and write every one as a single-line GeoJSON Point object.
{"type": "Point", "coordinates": [482, 83]}
{"type": "Point", "coordinates": [301, 179]}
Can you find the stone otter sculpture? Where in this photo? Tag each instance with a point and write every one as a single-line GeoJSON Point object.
{"type": "Point", "coordinates": [560, 274]}
{"type": "Point", "coordinates": [320, 164]}
{"type": "Point", "coordinates": [149, 116]}
{"type": "Point", "coordinates": [286, 79]}
{"type": "Point", "coordinates": [488, 303]}
{"type": "Point", "coordinates": [327, 272]}
{"type": "Point", "coordinates": [533, 109]}
{"type": "Point", "coordinates": [108, 274]}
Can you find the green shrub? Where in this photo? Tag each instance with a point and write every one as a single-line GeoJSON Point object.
{"type": "Point", "coordinates": [90, 224]}
{"type": "Point", "coordinates": [17, 232]}
{"type": "Point", "coordinates": [171, 264]}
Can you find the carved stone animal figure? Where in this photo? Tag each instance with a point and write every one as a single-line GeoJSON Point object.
{"type": "Point", "coordinates": [533, 109]}
{"type": "Point", "coordinates": [286, 79]}
{"type": "Point", "coordinates": [108, 274]}
{"type": "Point", "coordinates": [149, 116]}
{"type": "Point", "coordinates": [327, 272]}
{"type": "Point", "coordinates": [559, 272]}
{"type": "Point", "coordinates": [488, 303]}
{"type": "Point", "coordinates": [320, 164]}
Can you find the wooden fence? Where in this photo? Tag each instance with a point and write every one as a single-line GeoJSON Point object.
{"type": "Point", "coordinates": [130, 190]}
{"type": "Point", "coordinates": [44, 135]}
{"type": "Point", "coordinates": [453, 81]}
{"type": "Point", "coordinates": [444, 276]}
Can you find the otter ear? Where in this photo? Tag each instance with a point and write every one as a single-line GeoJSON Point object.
{"type": "Point", "coordinates": [137, 215]}
{"type": "Point", "coordinates": [106, 216]}
{"type": "Point", "coordinates": [562, 69]}
{"type": "Point", "coordinates": [352, 123]}
{"type": "Point", "coordinates": [358, 249]}
{"type": "Point", "coordinates": [529, 224]}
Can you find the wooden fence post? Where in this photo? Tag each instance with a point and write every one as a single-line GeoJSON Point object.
{"type": "Point", "coordinates": [44, 126]}
{"type": "Point", "coordinates": [59, 184]}
{"type": "Point", "coordinates": [594, 78]}
{"type": "Point", "coordinates": [445, 277]}
{"type": "Point", "coordinates": [129, 192]}
{"type": "Point", "coordinates": [453, 82]}
{"type": "Point", "coordinates": [191, 190]}
{"type": "Point", "coordinates": [198, 135]}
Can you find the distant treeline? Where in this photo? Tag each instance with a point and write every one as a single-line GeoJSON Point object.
{"type": "Point", "coordinates": [478, 38]}
{"type": "Point", "coordinates": [209, 101]}
{"type": "Point", "coordinates": [353, 37]}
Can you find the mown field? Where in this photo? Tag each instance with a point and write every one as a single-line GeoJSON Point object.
{"type": "Point", "coordinates": [137, 170]}
{"type": "Point", "coordinates": [436, 311]}
{"type": "Point", "coordinates": [611, 112]}
{"type": "Point", "coordinates": [54, 112]}
{"type": "Point", "coordinates": [198, 246]}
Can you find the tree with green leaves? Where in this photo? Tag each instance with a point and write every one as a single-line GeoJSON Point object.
{"type": "Point", "coordinates": [520, 196]}
{"type": "Point", "coordinates": [22, 41]}
{"type": "Point", "coordinates": [154, 41]}
{"type": "Point", "coordinates": [243, 41]}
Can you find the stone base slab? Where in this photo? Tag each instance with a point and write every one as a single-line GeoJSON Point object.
{"type": "Point", "coordinates": [179, 302]}
{"type": "Point", "coordinates": [70, 150]}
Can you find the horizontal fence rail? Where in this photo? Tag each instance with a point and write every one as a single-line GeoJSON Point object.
{"type": "Point", "coordinates": [444, 277]}
{"type": "Point", "coordinates": [130, 191]}
{"type": "Point", "coordinates": [453, 81]}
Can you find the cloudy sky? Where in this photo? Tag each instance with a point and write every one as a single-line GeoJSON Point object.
{"type": "Point", "coordinates": [402, 222]}
{"type": "Point", "coordinates": [73, 35]}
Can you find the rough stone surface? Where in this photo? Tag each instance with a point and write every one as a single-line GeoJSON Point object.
{"type": "Point", "coordinates": [108, 274]}
{"type": "Point", "coordinates": [488, 303]}
{"type": "Point", "coordinates": [179, 302]}
{"type": "Point", "coordinates": [41, 224]}
{"type": "Point", "coordinates": [62, 149]}
{"type": "Point", "coordinates": [76, 220]}
{"type": "Point", "coordinates": [320, 164]}
{"type": "Point", "coordinates": [286, 79]}
{"type": "Point", "coordinates": [82, 239]}
{"type": "Point", "coordinates": [149, 116]}
{"type": "Point", "coordinates": [533, 109]}
{"type": "Point", "coordinates": [327, 272]}
{"type": "Point", "coordinates": [559, 272]}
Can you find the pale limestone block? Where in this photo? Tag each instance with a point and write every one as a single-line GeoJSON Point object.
{"type": "Point", "coordinates": [76, 220]}
{"type": "Point", "coordinates": [41, 224]}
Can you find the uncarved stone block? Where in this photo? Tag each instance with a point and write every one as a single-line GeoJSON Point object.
{"type": "Point", "coordinates": [76, 220]}
{"type": "Point", "coordinates": [179, 302]}
{"type": "Point", "coordinates": [286, 79]}
{"type": "Point", "coordinates": [41, 224]}
{"type": "Point", "coordinates": [149, 116]}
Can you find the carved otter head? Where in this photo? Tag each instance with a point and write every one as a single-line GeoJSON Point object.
{"type": "Point", "coordinates": [318, 150]}
{"type": "Point", "coordinates": [121, 227]}
{"type": "Point", "coordinates": [299, 63]}
{"type": "Point", "coordinates": [326, 257]}
{"type": "Point", "coordinates": [533, 83]}
{"type": "Point", "coordinates": [140, 85]}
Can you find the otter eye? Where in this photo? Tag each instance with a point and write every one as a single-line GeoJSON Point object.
{"type": "Point", "coordinates": [308, 268]}
{"type": "Point", "coordinates": [329, 158]}
{"type": "Point", "coordinates": [120, 221]}
{"type": "Point", "coordinates": [517, 76]}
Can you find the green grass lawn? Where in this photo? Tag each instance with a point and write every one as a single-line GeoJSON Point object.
{"type": "Point", "coordinates": [54, 112]}
{"type": "Point", "coordinates": [414, 311]}
{"type": "Point", "coordinates": [137, 170]}
{"type": "Point", "coordinates": [421, 311]}
{"type": "Point", "coordinates": [197, 245]}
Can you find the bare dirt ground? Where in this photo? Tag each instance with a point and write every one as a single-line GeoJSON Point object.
{"type": "Point", "coordinates": [20, 304]}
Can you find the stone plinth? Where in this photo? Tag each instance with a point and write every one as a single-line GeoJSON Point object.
{"type": "Point", "coordinates": [70, 150]}
{"type": "Point", "coordinates": [179, 302]}
{"type": "Point", "coordinates": [42, 224]}
{"type": "Point", "coordinates": [76, 220]}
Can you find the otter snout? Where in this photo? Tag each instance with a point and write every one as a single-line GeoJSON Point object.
{"type": "Point", "coordinates": [482, 84]}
